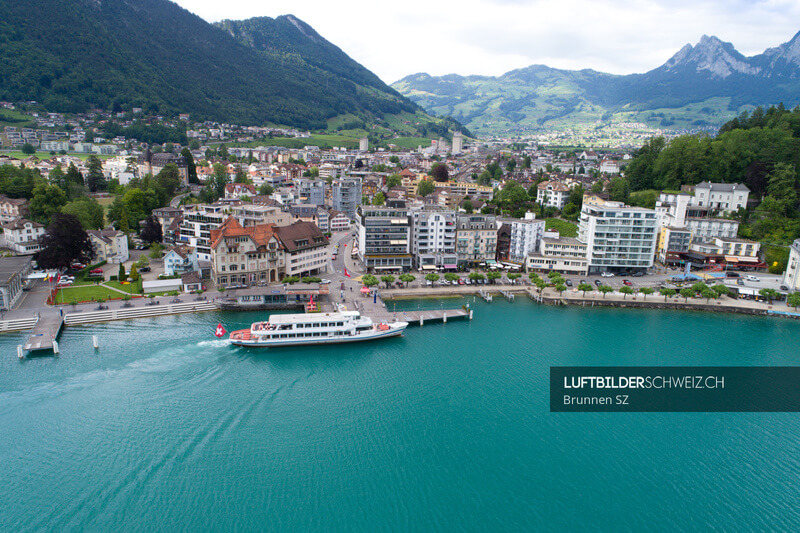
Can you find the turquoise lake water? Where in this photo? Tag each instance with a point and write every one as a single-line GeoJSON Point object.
{"type": "Point", "coordinates": [445, 429]}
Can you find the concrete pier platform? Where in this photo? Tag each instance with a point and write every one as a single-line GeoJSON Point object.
{"type": "Point", "coordinates": [44, 333]}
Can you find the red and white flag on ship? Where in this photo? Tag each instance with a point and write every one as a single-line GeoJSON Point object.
{"type": "Point", "coordinates": [220, 331]}
{"type": "Point", "coordinates": [346, 273]}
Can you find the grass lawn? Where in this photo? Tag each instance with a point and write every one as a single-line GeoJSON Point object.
{"type": "Point", "coordinates": [46, 155]}
{"type": "Point", "coordinates": [564, 228]}
{"type": "Point", "coordinates": [134, 287]}
{"type": "Point", "coordinates": [85, 293]}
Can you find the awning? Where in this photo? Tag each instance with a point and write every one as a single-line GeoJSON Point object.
{"type": "Point", "coordinates": [428, 267]}
{"type": "Point", "coordinates": [731, 259]}
{"type": "Point", "coordinates": [749, 260]}
{"type": "Point", "coordinates": [451, 266]}
{"type": "Point", "coordinates": [490, 261]}
{"type": "Point", "coordinates": [364, 290]}
{"type": "Point", "coordinates": [393, 267]}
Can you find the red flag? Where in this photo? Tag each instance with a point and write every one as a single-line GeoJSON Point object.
{"type": "Point", "coordinates": [220, 331]}
{"type": "Point", "coordinates": [346, 273]}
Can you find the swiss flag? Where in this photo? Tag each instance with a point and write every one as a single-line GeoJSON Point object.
{"type": "Point", "coordinates": [220, 331]}
{"type": "Point", "coordinates": [346, 273]}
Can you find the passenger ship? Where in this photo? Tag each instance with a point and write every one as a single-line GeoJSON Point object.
{"type": "Point", "coordinates": [315, 328]}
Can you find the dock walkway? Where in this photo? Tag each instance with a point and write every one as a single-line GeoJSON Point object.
{"type": "Point", "coordinates": [43, 336]}
{"type": "Point", "coordinates": [378, 312]}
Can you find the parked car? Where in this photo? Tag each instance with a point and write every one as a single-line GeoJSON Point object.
{"type": "Point", "coordinates": [607, 274]}
{"type": "Point", "coordinates": [461, 281]}
{"type": "Point", "coordinates": [598, 282]}
{"type": "Point", "coordinates": [740, 281]}
{"type": "Point", "coordinates": [144, 269]}
{"type": "Point", "coordinates": [77, 266]}
{"type": "Point", "coordinates": [627, 282]}
{"type": "Point", "coordinates": [752, 278]}
{"type": "Point", "coordinates": [429, 283]}
{"type": "Point", "coordinates": [638, 274]}
{"type": "Point", "coordinates": [568, 282]}
{"type": "Point", "coordinates": [732, 275]}
{"type": "Point", "coordinates": [784, 288]}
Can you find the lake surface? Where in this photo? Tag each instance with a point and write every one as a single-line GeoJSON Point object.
{"type": "Point", "coordinates": [447, 428]}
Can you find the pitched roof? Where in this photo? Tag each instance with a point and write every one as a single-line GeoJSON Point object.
{"type": "Point", "coordinates": [20, 224]}
{"type": "Point", "coordinates": [301, 235]}
{"type": "Point", "coordinates": [230, 227]}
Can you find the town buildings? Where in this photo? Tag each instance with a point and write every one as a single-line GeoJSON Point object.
{"type": "Point", "coordinates": [13, 271]}
{"type": "Point", "coordinates": [110, 245]}
{"type": "Point", "coordinates": [23, 236]}
{"type": "Point", "coordinates": [241, 256]}
{"type": "Point", "coordinates": [150, 163]}
{"type": "Point", "coordinates": [434, 238]}
{"type": "Point", "coordinates": [725, 197]}
{"type": "Point", "coordinates": [384, 238]}
{"type": "Point", "coordinates": [346, 195]}
{"type": "Point", "coordinates": [526, 235]}
{"type": "Point", "coordinates": [311, 191]}
{"type": "Point", "coordinates": [553, 194]}
{"type": "Point", "coordinates": [305, 248]}
{"type": "Point", "coordinates": [791, 278]}
{"type": "Point", "coordinates": [198, 222]}
{"type": "Point", "coordinates": [476, 239]}
{"type": "Point", "coordinates": [566, 255]}
{"type": "Point", "coordinates": [12, 208]}
{"type": "Point", "coordinates": [618, 237]}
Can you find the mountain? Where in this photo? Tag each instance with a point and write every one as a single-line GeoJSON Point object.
{"type": "Point", "coordinates": [701, 86]}
{"type": "Point", "coordinates": [74, 55]}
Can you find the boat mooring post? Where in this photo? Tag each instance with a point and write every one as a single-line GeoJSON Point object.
{"type": "Point", "coordinates": [95, 343]}
{"type": "Point", "coordinates": [55, 347]}
{"type": "Point", "coordinates": [421, 320]}
{"type": "Point", "coordinates": [20, 352]}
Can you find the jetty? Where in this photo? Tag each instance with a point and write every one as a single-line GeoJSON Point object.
{"type": "Point", "coordinates": [43, 336]}
{"type": "Point", "coordinates": [376, 309]}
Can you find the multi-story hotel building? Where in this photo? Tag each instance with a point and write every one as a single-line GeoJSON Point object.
{"type": "Point", "coordinates": [618, 237]}
{"type": "Point", "coordinates": [384, 238]}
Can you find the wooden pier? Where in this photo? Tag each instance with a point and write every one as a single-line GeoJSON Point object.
{"type": "Point", "coordinates": [43, 336]}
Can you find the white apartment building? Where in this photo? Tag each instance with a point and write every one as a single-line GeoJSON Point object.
{"type": "Point", "coordinates": [434, 238]}
{"type": "Point", "coordinates": [310, 191]}
{"type": "Point", "coordinates": [198, 221]}
{"type": "Point", "coordinates": [618, 237]}
{"type": "Point", "coordinates": [725, 197]}
{"type": "Point", "coordinates": [346, 194]}
{"type": "Point", "coordinates": [23, 236]}
{"type": "Point", "coordinates": [255, 215]}
{"type": "Point", "coordinates": [791, 278]}
{"type": "Point", "coordinates": [526, 236]}
{"type": "Point", "coordinates": [566, 255]}
{"type": "Point", "coordinates": [384, 238]}
{"type": "Point", "coordinates": [552, 194]}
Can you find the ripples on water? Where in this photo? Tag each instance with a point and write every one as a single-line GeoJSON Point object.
{"type": "Point", "coordinates": [167, 428]}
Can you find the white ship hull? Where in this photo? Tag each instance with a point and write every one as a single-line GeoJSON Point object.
{"type": "Point", "coordinates": [366, 336]}
{"type": "Point", "coordinates": [315, 328]}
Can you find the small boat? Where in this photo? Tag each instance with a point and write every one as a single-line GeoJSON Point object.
{"type": "Point", "coordinates": [315, 328]}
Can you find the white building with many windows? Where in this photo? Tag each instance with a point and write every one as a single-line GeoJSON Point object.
{"type": "Point", "coordinates": [526, 236]}
{"type": "Point", "coordinates": [23, 236]}
{"type": "Point", "coordinates": [434, 238]}
{"type": "Point", "coordinates": [618, 237]}
{"type": "Point", "coordinates": [725, 197]}
{"type": "Point", "coordinates": [198, 222]}
{"type": "Point", "coordinates": [552, 194]}
{"type": "Point", "coordinates": [791, 278]}
{"type": "Point", "coordinates": [384, 238]}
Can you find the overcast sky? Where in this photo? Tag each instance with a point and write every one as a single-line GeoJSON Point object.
{"type": "Point", "coordinates": [397, 38]}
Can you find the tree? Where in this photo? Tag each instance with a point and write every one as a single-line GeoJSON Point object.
{"type": "Point", "coordinates": [451, 277]}
{"type": "Point", "coordinates": [793, 300]}
{"type": "Point", "coordinates": [393, 180]}
{"type": "Point", "coordinates": [369, 280]}
{"type": "Point", "coordinates": [619, 190]}
{"type": "Point", "coordinates": [266, 189]}
{"type": "Point", "coordinates": [475, 276]}
{"type": "Point", "coordinates": [560, 288]}
{"type": "Point", "coordinates": [667, 293]}
{"type": "Point", "coordinates": [134, 275]}
{"type": "Point", "coordinates": [155, 251]}
{"type": "Point", "coordinates": [194, 144]}
{"type": "Point", "coordinates": [699, 287]}
{"type": "Point", "coordinates": [687, 293]}
{"type": "Point", "coordinates": [485, 178]}
{"type": "Point", "coordinates": [439, 172]}
{"type": "Point", "coordinates": [721, 289]}
{"type": "Point", "coordinates": [379, 199]}
{"type": "Point", "coordinates": [425, 187]}
{"type": "Point", "coordinates": [708, 293]}
{"type": "Point", "coordinates": [769, 294]}
{"type": "Point", "coordinates": [290, 279]}
{"type": "Point", "coordinates": [191, 167]}
{"type": "Point", "coordinates": [87, 210]}
{"type": "Point", "coordinates": [122, 275]}
{"type": "Point", "coordinates": [625, 290]}
{"type": "Point", "coordinates": [407, 278]}
{"type": "Point", "coordinates": [169, 178]}
{"type": "Point", "coordinates": [782, 188]}
{"type": "Point", "coordinates": [511, 165]}
{"type": "Point", "coordinates": [95, 179]}
{"type": "Point", "coordinates": [526, 162]}
{"type": "Point", "coordinates": [541, 284]}
{"type": "Point", "coordinates": [646, 291]}
{"type": "Point", "coordinates": [605, 289]}
{"type": "Point", "coordinates": [28, 149]}
{"type": "Point", "coordinates": [468, 207]}
{"type": "Point", "coordinates": [533, 276]}
{"type": "Point", "coordinates": [151, 232]}
{"type": "Point", "coordinates": [143, 261]}
{"type": "Point", "coordinates": [64, 243]}
{"type": "Point", "coordinates": [584, 288]}
{"type": "Point", "coordinates": [46, 200]}
{"type": "Point", "coordinates": [388, 280]}
{"type": "Point", "coordinates": [493, 276]}
{"type": "Point", "coordinates": [432, 277]}
{"type": "Point", "coordinates": [73, 176]}
{"type": "Point", "coordinates": [513, 276]}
